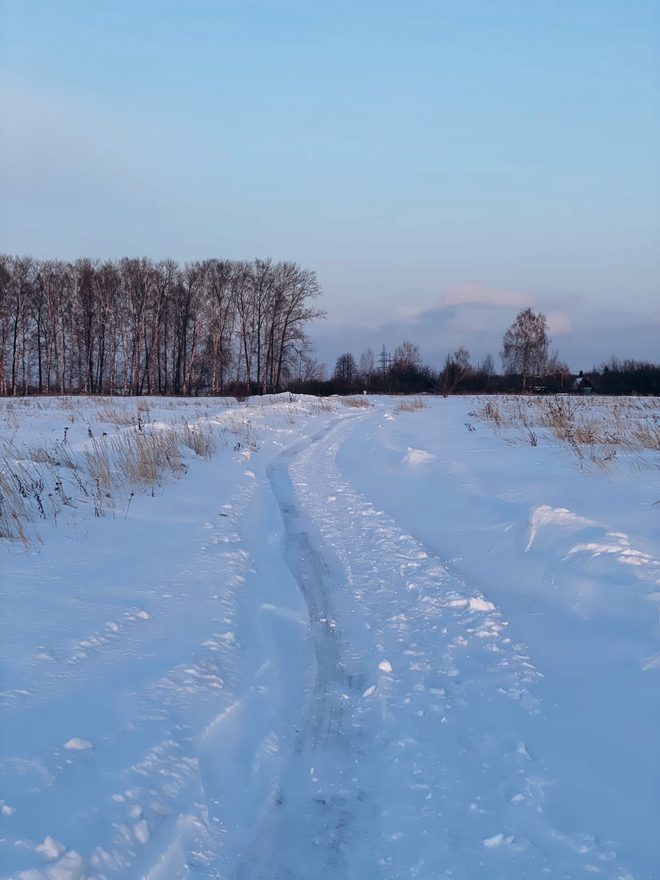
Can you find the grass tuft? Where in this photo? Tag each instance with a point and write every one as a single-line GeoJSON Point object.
{"type": "Point", "coordinates": [596, 429]}
{"type": "Point", "coordinates": [356, 402]}
{"type": "Point", "coordinates": [414, 405]}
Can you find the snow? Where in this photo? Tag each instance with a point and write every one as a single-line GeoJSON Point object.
{"type": "Point", "coordinates": [390, 647]}
{"type": "Point", "coordinates": [416, 457]}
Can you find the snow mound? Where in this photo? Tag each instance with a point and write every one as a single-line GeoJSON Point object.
{"type": "Point", "coordinates": [559, 517]}
{"type": "Point", "coordinates": [416, 457]}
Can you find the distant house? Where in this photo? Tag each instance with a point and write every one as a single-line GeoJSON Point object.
{"type": "Point", "coordinates": [582, 385]}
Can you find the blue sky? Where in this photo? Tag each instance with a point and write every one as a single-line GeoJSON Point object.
{"type": "Point", "coordinates": [440, 164]}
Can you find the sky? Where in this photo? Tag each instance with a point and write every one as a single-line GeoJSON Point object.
{"type": "Point", "coordinates": [439, 164]}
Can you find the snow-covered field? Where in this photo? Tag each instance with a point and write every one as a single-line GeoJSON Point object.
{"type": "Point", "coordinates": [294, 638]}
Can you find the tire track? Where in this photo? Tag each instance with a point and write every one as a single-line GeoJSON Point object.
{"type": "Point", "coordinates": [322, 803]}
{"type": "Point", "coordinates": [413, 759]}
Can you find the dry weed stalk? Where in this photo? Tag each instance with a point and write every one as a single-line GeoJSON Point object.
{"type": "Point", "coordinates": [356, 402]}
{"type": "Point", "coordinates": [143, 458]}
{"type": "Point", "coordinates": [199, 438]}
{"type": "Point", "coordinates": [14, 505]}
{"type": "Point", "coordinates": [322, 405]}
{"type": "Point", "coordinates": [114, 415]}
{"type": "Point", "coordinates": [595, 428]}
{"type": "Point", "coordinates": [98, 464]}
{"type": "Point", "coordinates": [37, 482]}
{"type": "Point", "coordinates": [414, 405]}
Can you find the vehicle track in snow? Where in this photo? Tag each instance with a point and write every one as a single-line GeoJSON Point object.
{"type": "Point", "coordinates": [393, 740]}
{"type": "Point", "coordinates": [321, 799]}
{"type": "Point", "coordinates": [412, 760]}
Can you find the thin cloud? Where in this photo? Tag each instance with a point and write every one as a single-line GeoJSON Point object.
{"type": "Point", "coordinates": [409, 313]}
{"type": "Point", "coordinates": [478, 294]}
{"type": "Point", "coordinates": [581, 338]}
{"type": "Point", "coordinates": [559, 324]}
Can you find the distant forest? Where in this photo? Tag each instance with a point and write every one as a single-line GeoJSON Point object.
{"type": "Point", "coordinates": [226, 327]}
{"type": "Point", "coordinates": [401, 373]}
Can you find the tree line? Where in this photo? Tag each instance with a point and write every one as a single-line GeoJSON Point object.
{"type": "Point", "coordinates": [219, 327]}
{"type": "Point", "coordinates": [528, 364]}
{"type": "Point", "coordinates": [137, 326]}
{"type": "Point", "coordinates": [459, 375]}
{"type": "Point", "coordinates": [525, 355]}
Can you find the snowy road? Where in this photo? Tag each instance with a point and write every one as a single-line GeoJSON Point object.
{"type": "Point", "coordinates": [284, 671]}
{"type": "Point", "coordinates": [415, 740]}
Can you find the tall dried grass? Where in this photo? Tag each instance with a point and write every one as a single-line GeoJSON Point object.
{"type": "Point", "coordinates": [115, 415]}
{"type": "Point", "coordinates": [38, 481]}
{"type": "Point", "coordinates": [410, 405]}
{"type": "Point", "coordinates": [596, 429]}
{"type": "Point", "coordinates": [15, 507]}
{"type": "Point", "coordinates": [199, 438]}
{"type": "Point", "coordinates": [356, 402]}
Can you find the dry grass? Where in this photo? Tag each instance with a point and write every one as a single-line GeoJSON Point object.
{"type": "Point", "coordinates": [323, 405]}
{"type": "Point", "coordinates": [98, 464]}
{"type": "Point", "coordinates": [413, 405]}
{"type": "Point", "coordinates": [38, 482]}
{"type": "Point", "coordinates": [596, 429]}
{"type": "Point", "coordinates": [85, 468]}
{"type": "Point", "coordinates": [15, 508]}
{"type": "Point", "coordinates": [236, 430]}
{"type": "Point", "coordinates": [11, 417]}
{"type": "Point", "coordinates": [490, 412]}
{"type": "Point", "coordinates": [143, 459]}
{"type": "Point", "coordinates": [115, 415]}
{"type": "Point", "coordinates": [44, 455]}
{"type": "Point", "coordinates": [199, 438]}
{"type": "Point", "coordinates": [356, 402]}
{"type": "Point", "coordinates": [647, 434]}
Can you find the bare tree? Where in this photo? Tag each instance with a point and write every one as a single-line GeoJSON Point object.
{"type": "Point", "coordinates": [345, 368]}
{"type": "Point", "coordinates": [5, 285]}
{"type": "Point", "coordinates": [558, 370]}
{"type": "Point", "coordinates": [18, 304]}
{"type": "Point", "coordinates": [456, 368]}
{"type": "Point", "coordinates": [487, 366]}
{"type": "Point", "coordinates": [406, 356]}
{"type": "Point", "coordinates": [310, 370]}
{"type": "Point", "coordinates": [136, 326]}
{"type": "Point", "coordinates": [525, 345]}
{"type": "Point", "coordinates": [302, 288]}
{"type": "Point", "coordinates": [221, 322]}
{"type": "Point", "coordinates": [367, 367]}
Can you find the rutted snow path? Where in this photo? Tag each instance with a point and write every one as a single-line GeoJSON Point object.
{"type": "Point", "coordinates": [320, 824]}
{"type": "Point", "coordinates": [260, 675]}
{"type": "Point", "coordinates": [412, 760]}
